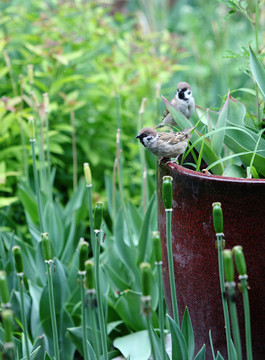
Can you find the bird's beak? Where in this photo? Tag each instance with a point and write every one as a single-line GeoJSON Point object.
{"type": "Point", "coordinates": [137, 136]}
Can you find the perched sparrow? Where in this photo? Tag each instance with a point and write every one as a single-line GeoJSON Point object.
{"type": "Point", "coordinates": [183, 101]}
{"type": "Point", "coordinates": [165, 144]}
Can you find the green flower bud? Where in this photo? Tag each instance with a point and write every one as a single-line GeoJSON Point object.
{"type": "Point", "coordinates": [228, 265]}
{"type": "Point", "coordinates": [83, 255]}
{"type": "Point", "coordinates": [4, 287]}
{"type": "Point", "coordinates": [18, 259]}
{"type": "Point", "coordinates": [88, 175]}
{"type": "Point", "coordinates": [89, 265]}
{"type": "Point", "coordinates": [218, 218]}
{"type": "Point", "coordinates": [31, 128]}
{"type": "Point", "coordinates": [46, 246]}
{"type": "Point", "coordinates": [30, 74]}
{"type": "Point", "coordinates": [240, 260]}
{"type": "Point", "coordinates": [146, 278]}
{"type": "Point", "coordinates": [157, 246]}
{"type": "Point", "coordinates": [7, 316]}
{"type": "Point", "coordinates": [98, 215]}
{"type": "Point", "coordinates": [167, 191]}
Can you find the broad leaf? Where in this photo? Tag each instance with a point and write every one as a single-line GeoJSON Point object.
{"type": "Point", "coordinates": [136, 345]}
{"type": "Point", "coordinates": [201, 354]}
{"type": "Point", "coordinates": [257, 71]}
{"type": "Point", "coordinates": [179, 347]}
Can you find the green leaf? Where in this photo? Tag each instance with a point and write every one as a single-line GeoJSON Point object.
{"type": "Point", "coordinates": [218, 138]}
{"type": "Point", "coordinates": [257, 71]}
{"type": "Point", "coordinates": [157, 345]}
{"type": "Point", "coordinates": [33, 355]}
{"type": "Point", "coordinates": [143, 240]}
{"type": "Point", "coordinates": [235, 171]}
{"type": "Point", "coordinates": [219, 356]}
{"type": "Point", "coordinates": [187, 332]}
{"type": "Point", "coordinates": [135, 345]}
{"type": "Point", "coordinates": [128, 306]}
{"type": "Point", "coordinates": [201, 354]}
{"type": "Point", "coordinates": [179, 347]}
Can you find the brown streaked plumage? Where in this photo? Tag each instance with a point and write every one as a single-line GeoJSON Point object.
{"type": "Point", "coordinates": [183, 101]}
{"type": "Point", "coordinates": [165, 144]}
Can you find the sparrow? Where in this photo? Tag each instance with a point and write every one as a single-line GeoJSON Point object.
{"type": "Point", "coordinates": [183, 102]}
{"type": "Point", "coordinates": [165, 144]}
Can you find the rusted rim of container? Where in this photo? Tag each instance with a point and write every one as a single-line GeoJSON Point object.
{"type": "Point", "coordinates": [175, 167]}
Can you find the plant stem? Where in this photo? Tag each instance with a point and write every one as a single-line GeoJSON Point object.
{"type": "Point", "coordinates": [52, 310]}
{"type": "Point", "coordinates": [247, 317]}
{"type": "Point", "coordinates": [161, 308]}
{"type": "Point", "coordinates": [149, 328]}
{"type": "Point", "coordinates": [224, 300]}
{"type": "Point", "coordinates": [74, 151]}
{"type": "Point", "coordinates": [24, 320]}
{"type": "Point", "coordinates": [36, 182]}
{"type": "Point", "coordinates": [171, 267]}
{"type": "Point", "coordinates": [90, 214]}
{"type": "Point", "coordinates": [234, 320]}
{"type": "Point", "coordinates": [92, 317]}
{"type": "Point", "coordinates": [83, 314]}
{"type": "Point", "coordinates": [99, 298]}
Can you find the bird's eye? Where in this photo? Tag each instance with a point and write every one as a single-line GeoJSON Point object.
{"type": "Point", "coordinates": [188, 94]}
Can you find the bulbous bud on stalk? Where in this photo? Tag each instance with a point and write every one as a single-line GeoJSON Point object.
{"type": "Point", "coordinates": [98, 215]}
{"type": "Point", "coordinates": [46, 246]}
{"type": "Point", "coordinates": [146, 278]}
{"type": "Point", "coordinates": [18, 259]}
{"type": "Point", "coordinates": [89, 266]}
{"type": "Point", "coordinates": [88, 175]}
{"type": "Point", "coordinates": [157, 246]}
{"type": "Point", "coordinates": [83, 255]}
{"type": "Point", "coordinates": [31, 129]}
{"type": "Point", "coordinates": [167, 192]}
{"type": "Point", "coordinates": [218, 218]}
{"type": "Point", "coordinates": [228, 265]}
{"type": "Point", "coordinates": [4, 288]}
{"type": "Point", "coordinates": [240, 260]}
{"type": "Point", "coordinates": [7, 316]}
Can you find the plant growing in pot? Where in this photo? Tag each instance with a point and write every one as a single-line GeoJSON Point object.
{"type": "Point", "coordinates": [230, 145]}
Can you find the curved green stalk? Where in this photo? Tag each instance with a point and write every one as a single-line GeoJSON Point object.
{"type": "Point", "coordinates": [99, 298]}
{"type": "Point", "coordinates": [83, 314]}
{"type": "Point", "coordinates": [234, 320]}
{"type": "Point", "coordinates": [171, 267]}
{"type": "Point", "coordinates": [24, 321]}
{"type": "Point", "coordinates": [224, 300]}
{"type": "Point", "coordinates": [161, 308]}
{"type": "Point", "coordinates": [52, 310]}
{"type": "Point", "coordinates": [36, 183]}
{"type": "Point", "coordinates": [247, 317]}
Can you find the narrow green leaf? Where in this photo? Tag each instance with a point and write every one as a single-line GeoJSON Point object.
{"type": "Point", "coordinates": [187, 332]}
{"type": "Point", "coordinates": [143, 240]}
{"type": "Point", "coordinates": [218, 138]}
{"type": "Point", "coordinates": [219, 356]}
{"type": "Point", "coordinates": [257, 71]}
{"type": "Point", "coordinates": [201, 354]}
{"type": "Point", "coordinates": [179, 347]}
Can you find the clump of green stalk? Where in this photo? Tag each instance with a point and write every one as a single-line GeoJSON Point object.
{"type": "Point", "coordinates": [20, 274]}
{"type": "Point", "coordinates": [242, 270]}
{"type": "Point", "coordinates": [167, 199]}
{"type": "Point", "coordinates": [159, 263]}
{"type": "Point", "coordinates": [83, 255]}
{"type": "Point", "coordinates": [88, 178]}
{"type": "Point", "coordinates": [91, 297]}
{"type": "Point", "coordinates": [98, 216]}
{"type": "Point", "coordinates": [46, 249]}
{"type": "Point", "coordinates": [231, 295]}
{"type": "Point", "coordinates": [218, 227]}
{"type": "Point", "coordinates": [35, 172]}
{"type": "Point", "coordinates": [146, 301]}
{"type": "Point", "coordinates": [7, 317]}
